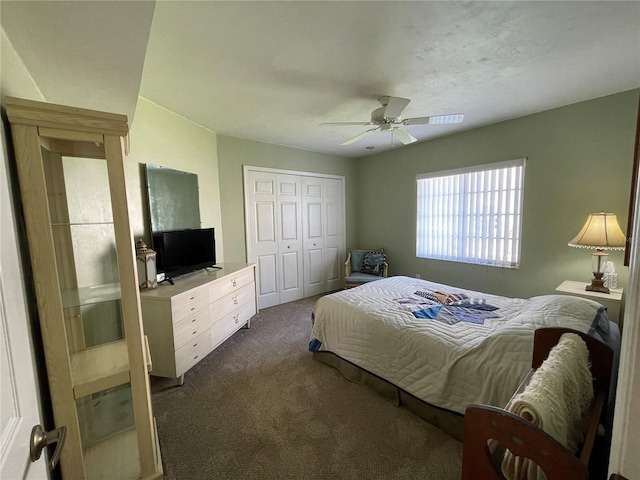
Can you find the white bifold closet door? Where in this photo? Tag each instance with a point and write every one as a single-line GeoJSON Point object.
{"type": "Point", "coordinates": [323, 240]}
{"type": "Point", "coordinates": [295, 233]}
{"type": "Point", "coordinates": [275, 235]}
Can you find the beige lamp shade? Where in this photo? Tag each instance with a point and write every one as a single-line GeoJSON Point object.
{"type": "Point", "coordinates": [601, 231]}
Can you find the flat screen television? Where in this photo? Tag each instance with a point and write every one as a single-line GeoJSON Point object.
{"type": "Point", "coordinates": [184, 251]}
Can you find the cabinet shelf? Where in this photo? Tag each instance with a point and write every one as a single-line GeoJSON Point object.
{"type": "Point", "coordinates": [100, 368]}
{"type": "Point", "coordinates": [79, 224]}
{"type": "Point", "coordinates": [79, 297]}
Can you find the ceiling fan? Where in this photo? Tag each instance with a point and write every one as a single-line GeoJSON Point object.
{"type": "Point", "coordinates": [388, 116]}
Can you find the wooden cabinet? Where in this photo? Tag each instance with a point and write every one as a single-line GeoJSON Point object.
{"type": "Point", "coordinates": [70, 165]}
{"type": "Point", "coordinates": [188, 320]}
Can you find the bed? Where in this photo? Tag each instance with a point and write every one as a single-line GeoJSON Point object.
{"type": "Point", "coordinates": [440, 346]}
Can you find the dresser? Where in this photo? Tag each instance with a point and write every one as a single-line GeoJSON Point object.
{"type": "Point", "coordinates": [186, 321]}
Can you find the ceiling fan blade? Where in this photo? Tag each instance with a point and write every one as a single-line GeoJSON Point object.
{"type": "Point", "coordinates": [404, 137]}
{"type": "Point", "coordinates": [434, 120]}
{"type": "Point", "coordinates": [358, 137]}
{"type": "Point", "coordinates": [394, 106]}
{"type": "Point", "coordinates": [334, 124]}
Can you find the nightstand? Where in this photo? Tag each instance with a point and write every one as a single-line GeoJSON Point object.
{"type": "Point", "coordinates": [613, 300]}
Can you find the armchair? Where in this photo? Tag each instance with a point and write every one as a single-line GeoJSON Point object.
{"type": "Point", "coordinates": [364, 266]}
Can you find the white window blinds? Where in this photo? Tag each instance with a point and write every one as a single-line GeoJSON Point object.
{"type": "Point", "coordinates": [472, 215]}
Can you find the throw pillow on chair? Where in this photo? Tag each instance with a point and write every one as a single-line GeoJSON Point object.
{"type": "Point", "coordinates": [373, 263]}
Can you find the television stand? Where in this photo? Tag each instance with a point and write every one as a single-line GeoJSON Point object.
{"type": "Point", "coordinates": [186, 322]}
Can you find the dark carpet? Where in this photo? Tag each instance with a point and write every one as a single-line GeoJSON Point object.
{"type": "Point", "coordinates": [260, 407]}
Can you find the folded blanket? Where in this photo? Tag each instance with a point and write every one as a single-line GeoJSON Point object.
{"type": "Point", "coordinates": [555, 400]}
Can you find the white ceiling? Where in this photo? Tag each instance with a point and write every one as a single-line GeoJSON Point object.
{"type": "Point", "coordinates": [273, 71]}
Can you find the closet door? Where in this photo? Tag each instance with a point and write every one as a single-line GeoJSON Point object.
{"type": "Point", "coordinates": [333, 240]}
{"type": "Point", "coordinates": [274, 235]}
{"type": "Point", "coordinates": [314, 257]}
{"type": "Point", "coordinates": [289, 238]}
{"type": "Point", "coordinates": [262, 244]}
{"type": "Point", "coordinates": [295, 233]}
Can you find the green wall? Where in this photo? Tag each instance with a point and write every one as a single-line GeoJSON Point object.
{"type": "Point", "coordinates": [161, 137]}
{"type": "Point", "coordinates": [234, 153]}
{"type": "Point", "coordinates": [579, 161]}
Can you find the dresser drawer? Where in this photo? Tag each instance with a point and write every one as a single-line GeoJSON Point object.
{"type": "Point", "coordinates": [232, 301]}
{"type": "Point", "coordinates": [195, 347]}
{"type": "Point", "coordinates": [187, 300]}
{"type": "Point", "coordinates": [230, 283]}
{"type": "Point", "coordinates": [197, 305]}
{"type": "Point", "coordinates": [195, 356]}
{"type": "Point", "coordinates": [190, 328]}
{"type": "Point", "coordinates": [181, 326]}
{"type": "Point", "coordinates": [228, 324]}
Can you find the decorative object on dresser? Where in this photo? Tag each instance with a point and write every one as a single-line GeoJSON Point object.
{"type": "Point", "coordinates": [186, 321]}
{"type": "Point", "coordinates": [147, 273]}
{"type": "Point", "coordinates": [70, 164]}
{"type": "Point", "coordinates": [602, 232]}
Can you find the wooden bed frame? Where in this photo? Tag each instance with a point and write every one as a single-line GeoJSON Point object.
{"type": "Point", "coordinates": [486, 427]}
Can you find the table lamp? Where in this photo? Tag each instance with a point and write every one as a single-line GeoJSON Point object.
{"type": "Point", "coordinates": [602, 232]}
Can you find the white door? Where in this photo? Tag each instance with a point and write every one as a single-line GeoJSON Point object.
{"type": "Point", "coordinates": [19, 401]}
{"type": "Point", "coordinates": [295, 233]}
{"type": "Point", "coordinates": [334, 252]}
{"type": "Point", "coordinates": [289, 238]}
{"type": "Point", "coordinates": [314, 260]}
{"type": "Point", "coordinates": [262, 232]}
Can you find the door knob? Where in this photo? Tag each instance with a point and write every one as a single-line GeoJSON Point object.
{"type": "Point", "coordinates": [40, 439]}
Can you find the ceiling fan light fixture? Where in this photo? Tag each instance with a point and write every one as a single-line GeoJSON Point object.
{"type": "Point", "coordinates": [388, 116]}
{"type": "Point", "coordinates": [444, 119]}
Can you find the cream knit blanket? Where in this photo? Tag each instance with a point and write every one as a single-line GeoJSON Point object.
{"type": "Point", "coordinates": [555, 400]}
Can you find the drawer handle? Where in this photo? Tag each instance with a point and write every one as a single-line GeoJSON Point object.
{"type": "Point", "coordinates": [196, 357]}
{"type": "Point", "coordinates": [235, 300]}
{"type": "Point", "coordinates": [234, 282]}
{"type": "Point", "coordinates": [236, 318]}
{"type": "Point", "coordinates": [193, 320]}
{"type": "Point", "coordinates": [195, 344]}
{"type": "Point", "coordinates": [193, 308]}
{"type": "Point", "coordinates": [194, 332]}
{"type": "Point", "coordinates": [191, 298]}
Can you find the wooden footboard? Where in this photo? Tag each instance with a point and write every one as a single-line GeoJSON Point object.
{"type": "Point", "coordinates": [486, 427]}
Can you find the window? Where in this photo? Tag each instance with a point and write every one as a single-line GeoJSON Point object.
{"type": "Point", "coordinates": [472, 215]}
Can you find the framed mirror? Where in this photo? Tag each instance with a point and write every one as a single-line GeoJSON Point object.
{"type": "Point", "coordinates": [173, 198]}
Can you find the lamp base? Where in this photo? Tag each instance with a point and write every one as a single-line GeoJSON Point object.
{"type": "Point", "coordinates": [597, 284]}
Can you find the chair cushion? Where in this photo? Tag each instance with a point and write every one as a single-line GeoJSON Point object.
{"type": "Point", "coordinates": [357, 257]}
{"type": "Point", "coordinates": [357, 277]}
{"type": "Point", "coordinates": [373, 262]}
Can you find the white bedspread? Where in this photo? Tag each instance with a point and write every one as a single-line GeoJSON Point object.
{"type": "Point", "coordinates": [450, 366]}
